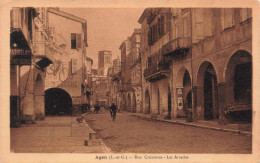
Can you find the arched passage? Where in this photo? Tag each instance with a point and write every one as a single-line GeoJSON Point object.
{"type": "Point", "coordinates": [207, 82]}
{"type": "Point", "coordinates": [129, 102]}
{"type": "Point", "coordinates": [238, 77]}
{"type": "Point", "coordinates": [124, 102]}
{"type": "Point", "coordinates": [147, 102]}
{"type": "Point", "coordinates": [184, 98]}
{"type": "Point", "coordinates": [57, 102]}
{"type": "Point", "coordinates": [39, 99]}
{"type": "Point", "coordinates": [134, 103]}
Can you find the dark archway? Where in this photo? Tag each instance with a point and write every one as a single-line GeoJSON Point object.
{"type": "Point", "coordinates": [208, 91]}
{"type": "Point", "coordinates": [238, 76]}
{"type": "Point", "coordinates": [57, 102]}
{"type": "Point", "coordinates": [124, 102]}
{"type": "Point", "coordinates": [129, 102]}
{"type": "Point", "coordinates": [147, 102]}
{"type": "Point", "coordinates": [134, 103]}
{"type": "Point", "coordinates": [187, 90]}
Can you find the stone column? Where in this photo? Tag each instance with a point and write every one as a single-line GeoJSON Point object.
{"type": "Point", "coordinates": [222, 99]}
{"type": "Point", "coordinates": [194, 104]}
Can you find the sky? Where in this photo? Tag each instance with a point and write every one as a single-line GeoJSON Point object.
{"type": "Point", "coordinates": [107, 28]}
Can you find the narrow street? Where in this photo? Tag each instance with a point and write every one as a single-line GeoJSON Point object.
{"type": "Point", "coordinates": [130, 134]}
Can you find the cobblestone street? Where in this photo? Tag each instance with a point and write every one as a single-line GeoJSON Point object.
{"type": "Point", "coordinates": [129, 134]}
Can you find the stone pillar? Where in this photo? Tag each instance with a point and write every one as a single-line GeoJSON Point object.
{"type": "Point", "coordinates": [28, 111]}
{"type": "Point", "coordinates": [222, 99]}
{"type": "Point", "coordinates": [194, 104]}
{"type": "Point", "coordinates": [39, 107]}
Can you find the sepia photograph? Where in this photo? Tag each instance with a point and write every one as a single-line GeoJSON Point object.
{"type": "Point", "coordinates": [132, 84]}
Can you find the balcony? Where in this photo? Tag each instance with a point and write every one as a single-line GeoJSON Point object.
{"type": "Point", "coordinates": [177, 49]}
{"type": "Point", "coordinates": [43, 53]}
{"type": "Point", "coordinates": [157, 68]}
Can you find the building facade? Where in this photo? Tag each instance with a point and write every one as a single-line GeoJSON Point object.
{"type": "Point", "coordinates": [104, 61]}
{"type": "Point", "coordinates": [65, 91]}
{"type": "Point", "coordinates": [130, 77]}
{"type": "Point", "coordinates": [30, 55]}
{"type": "Point", "coordinates": [197, 60]}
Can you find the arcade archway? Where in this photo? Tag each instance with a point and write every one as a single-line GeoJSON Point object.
{"type": "Point", "coordinates": [129, 102]}
{"type": "Point", "coordinates": [238, 77]}
{"type": "Point", "coordinates": [134, 103]}
{"type": "Point", "coordinates": [147, 102]}
{"type": "Point", "coordinates": [57, 102]}
{"type": "Point", "coordinates": [207, 82]}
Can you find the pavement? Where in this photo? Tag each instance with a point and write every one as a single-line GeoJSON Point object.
{"type": "Point", "coordinates": [57, 134]}
{"type": "Point", "coordinates": [244, 129]}
{"type": "Point", "coordinates": [61, 134]}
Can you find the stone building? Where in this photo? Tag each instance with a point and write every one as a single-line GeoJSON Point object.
{"type": "Point", "coordinates": [131, 73]}
{"type": "Point", "coordinates": [197, 59]}
{"type": "Point", "coordinates": [30, 55]}
{"type": "Point", "coordinates": [65, 78]}
{"type": "Point", "coordinates": [104, 61]}
{"type": "Point", "coordinates": [114, 82]}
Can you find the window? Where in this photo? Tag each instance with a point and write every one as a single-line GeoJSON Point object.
{"type": "Point", "coordinates": [227, 18]}
{"type": "Point", "coordinates": [245, 13]}
{"type": "Point", "coordinates": [75, 41]}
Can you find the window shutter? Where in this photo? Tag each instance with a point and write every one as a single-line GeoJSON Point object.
{"type": "Point", "coordinates": [73, 66]}
{"type": "Point", "coordinates": [208, 31]}
{"type": "Point", "coordinates": [185, 28]}
{"type": "Point", "coordinates": [73, 40]}
{"type": "Point", "coordinates": [78, 41]}
{"type": "Point", "coordinates": [162, 25]}
{"type": "Point", "coordinates": [228, 17]}
{"type": "Point", "coordinates": [199, 23]}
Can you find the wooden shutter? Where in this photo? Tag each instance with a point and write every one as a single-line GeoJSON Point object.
{"type": "Point", "coordinates": [208, 27]}
{"type": "Point", "coordinates": [78, 41]}
{"type": "Point", "coordinates": [228, 15]}
{"type": "Point", "coordinates": [73, 66]}
{"type": "Point", "coordinates": [73, 40]}
{"type": "Point", "coordinates": [199, 23]}
{"type": "Point", "coordinates": [185, 28]}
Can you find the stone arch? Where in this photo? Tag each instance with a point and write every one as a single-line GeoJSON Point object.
{"type": "Point", "coordinates": [238, 79]}
{"type": "Point", "coordinates": [129, 102]}
{"type": "Point", "coordinates": [207, 92]}
{"type": "Point", "coordinates": [124, 102]}
{"type": "Point", "coordinates": [147, 102]}
{"type": "Point", "coordinates": [134, 103]}
{"type": "Point", "coordinates": [57, 102]}
{"type": "Point", "coordinates": [39, 98]}
{"type": "Point", "coordinates": [179, 80]}
{"type": "Point", "coordinates": [183, 82]}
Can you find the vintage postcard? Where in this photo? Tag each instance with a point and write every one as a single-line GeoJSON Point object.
{"type": "Point", "coordinates": [129, 82]}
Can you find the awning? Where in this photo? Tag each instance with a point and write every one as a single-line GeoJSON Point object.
{"type": "Point", "coordinates": [20, 50]}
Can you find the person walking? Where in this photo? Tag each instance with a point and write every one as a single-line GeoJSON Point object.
{"type": "Point", "coordinates": [96, 108]}
{"type": "Point", "coordinates": [113, 110]}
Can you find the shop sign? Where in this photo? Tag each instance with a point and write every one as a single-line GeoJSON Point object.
{"type": "Point", "coordinates": [20, 56]}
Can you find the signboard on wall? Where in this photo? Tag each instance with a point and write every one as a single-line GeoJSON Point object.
{"type": "Point", "coordinates": [20, 57]}
{"type": "Point", "coordinates": [179, 98]}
